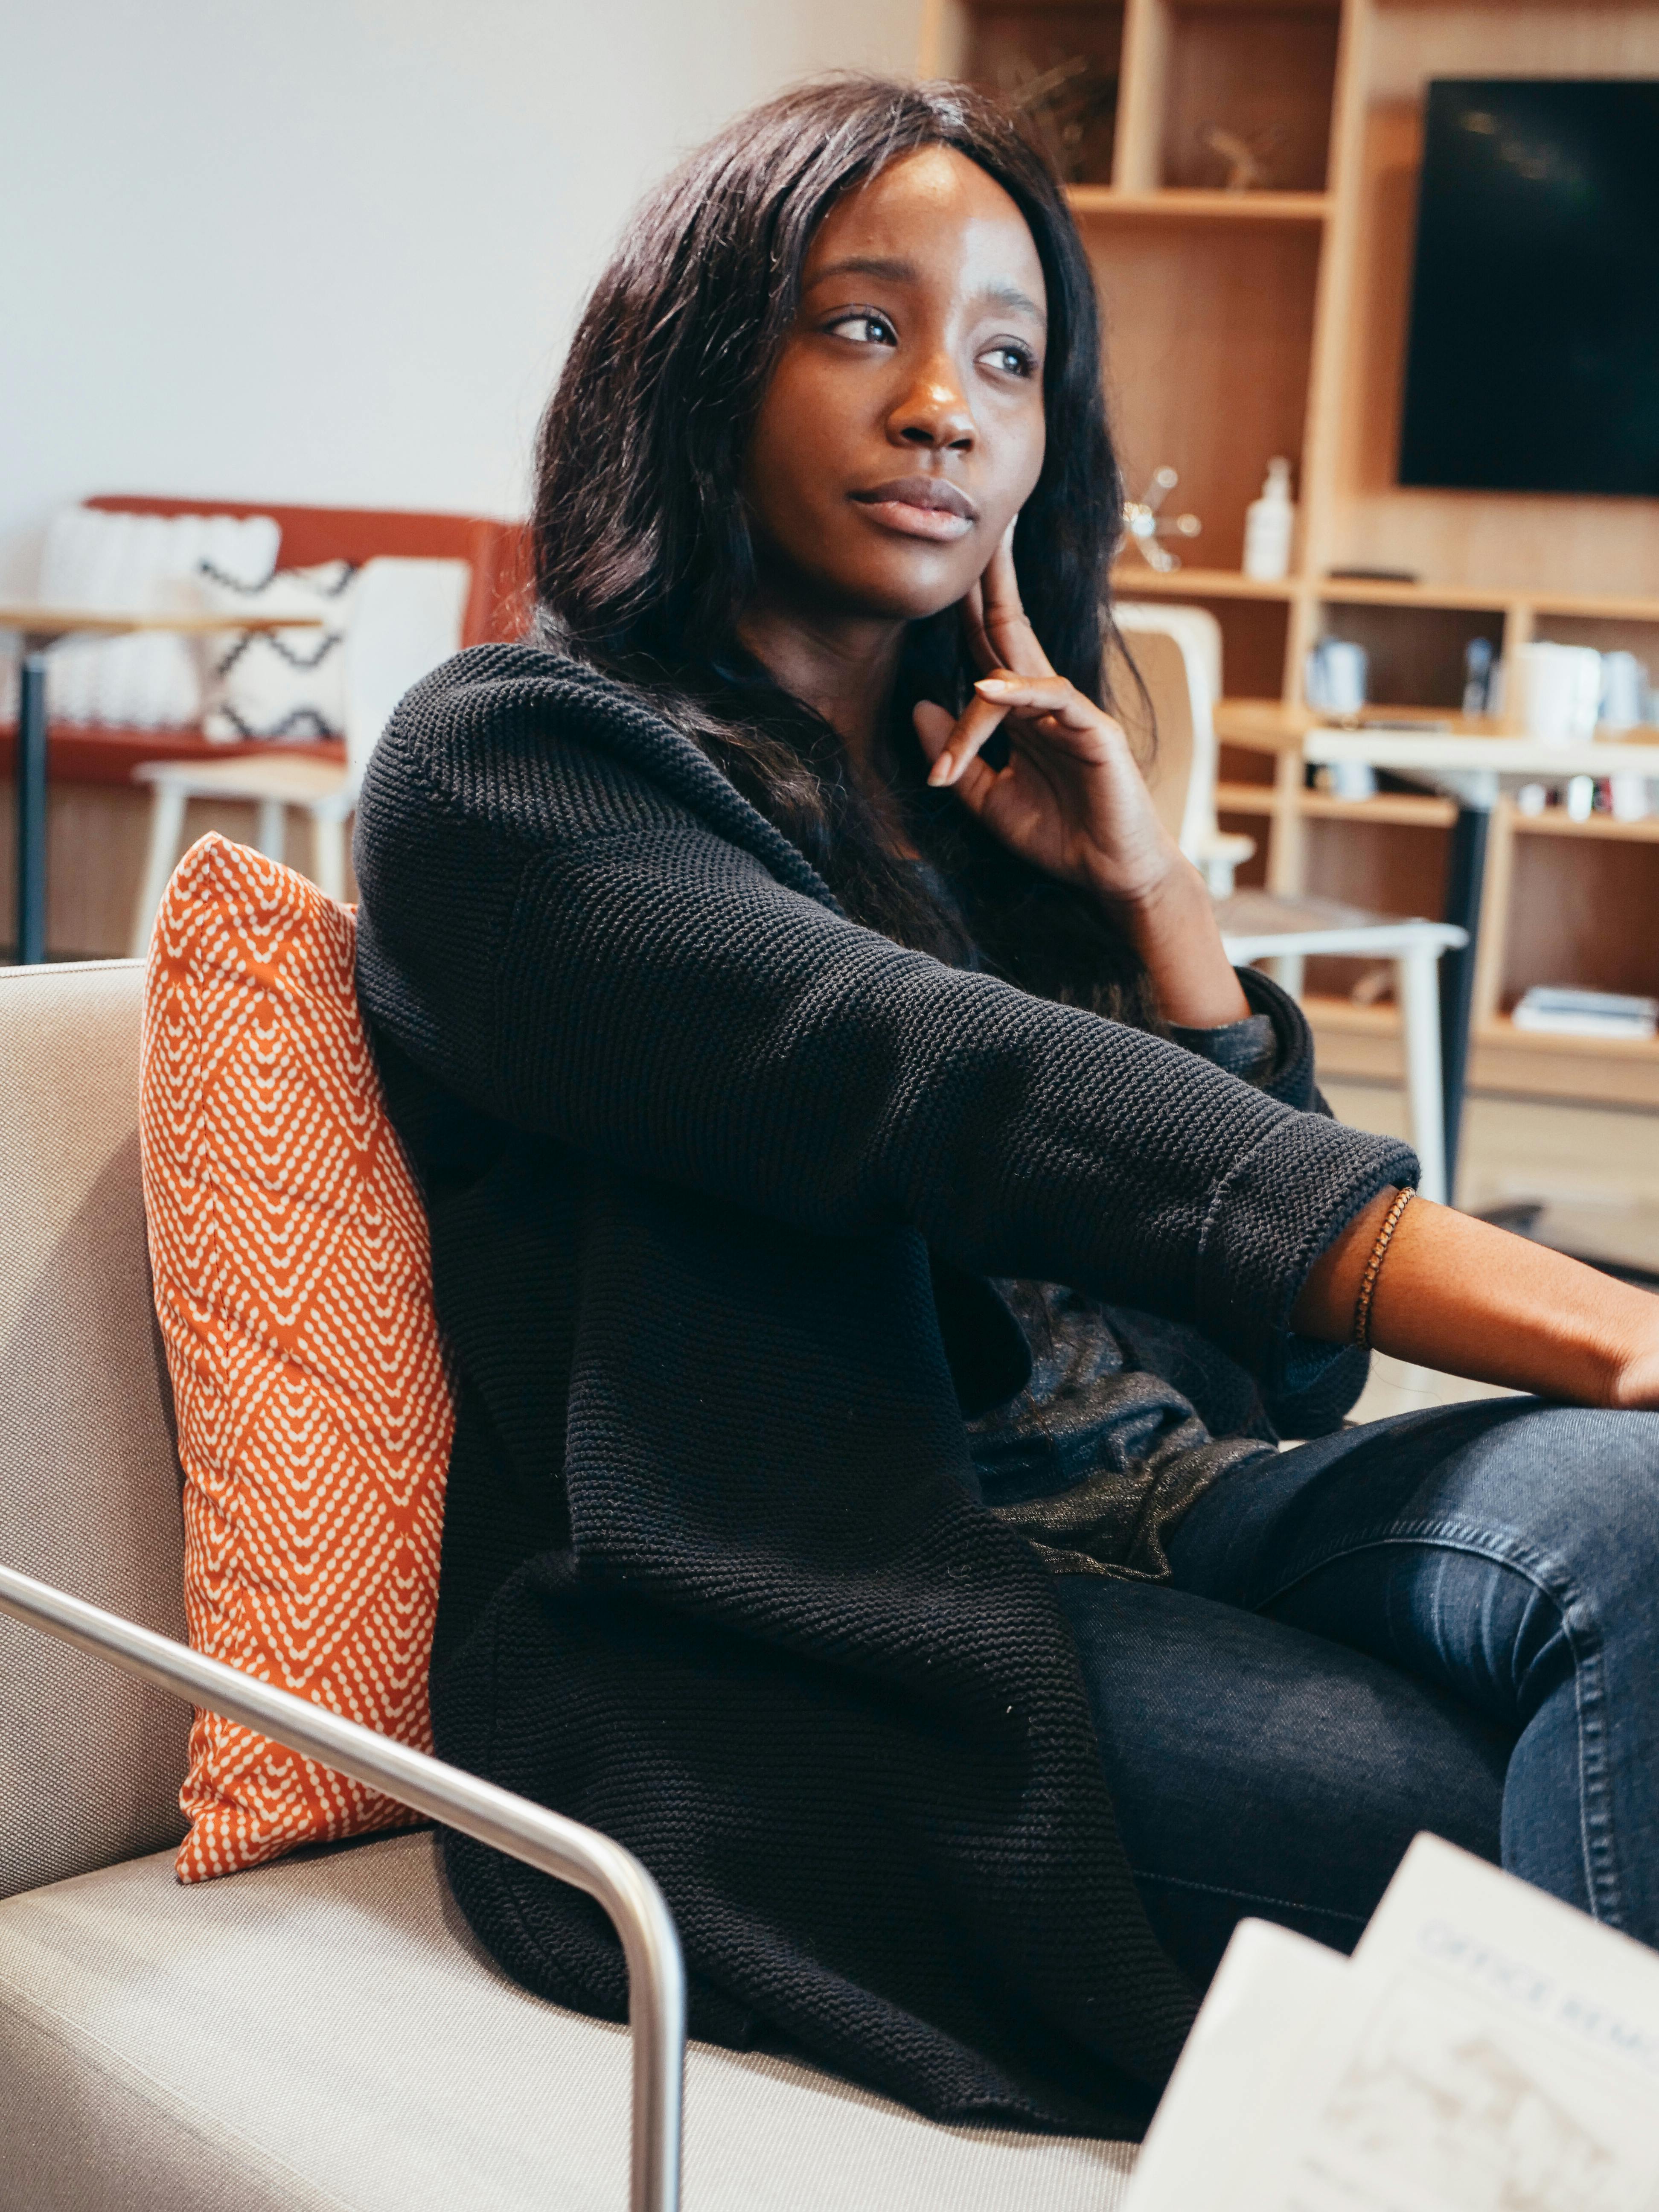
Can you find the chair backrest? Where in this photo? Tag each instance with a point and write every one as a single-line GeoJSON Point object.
{"type": "Point", "coordinates": [1177, 652]}
{"type": "Point", "coordinates": [90, 1761]}
{"type": "Point", "coordinates": [406, 617]}
{"type": "Point", "coordinates": [498, 553]}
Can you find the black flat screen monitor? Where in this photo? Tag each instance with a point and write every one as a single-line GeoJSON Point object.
{"type": "Point", "coordinates": [1534, 360]}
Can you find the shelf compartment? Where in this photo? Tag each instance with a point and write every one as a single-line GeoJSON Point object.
{"type": "Point", "coordinates": [1198, 378]}
{"type": "Point", "coordinates": [1006, 46]}
{"type": "Point", "coordinates": [1254, 71]}
{"type": "Point", "coordinates": [1581, 908]}
{"type": "Point", "coordinates": [1416, 652]}
{"type": "Point", "coordinates": [1359, 851]}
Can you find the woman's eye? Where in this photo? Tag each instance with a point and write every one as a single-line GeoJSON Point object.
{"type": "Point", "coordinates": [1012, 360]}
{"type": "Point", "coordinates": [866, 329]}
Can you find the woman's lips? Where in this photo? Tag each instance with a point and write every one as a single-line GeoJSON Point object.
{"type": "Point", "coordinates": [921, 507]}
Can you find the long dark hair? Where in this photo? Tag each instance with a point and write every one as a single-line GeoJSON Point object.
{"type": "Point", "coordinates": [643, 557]}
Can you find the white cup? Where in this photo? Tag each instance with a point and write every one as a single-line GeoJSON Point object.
{"type": "Point", "coordinates": [1556, 691]}
{"type": "Point", "coordinates": [1335, 678]}
{"type": "Point", "coordinates": [1624, 691]}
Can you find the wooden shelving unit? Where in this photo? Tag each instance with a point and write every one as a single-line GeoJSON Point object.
{"type": "Point", "coordinates": [1241, 325]}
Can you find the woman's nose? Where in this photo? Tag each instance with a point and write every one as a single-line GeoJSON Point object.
{"type": "Point", "coordinates": [933, 412]}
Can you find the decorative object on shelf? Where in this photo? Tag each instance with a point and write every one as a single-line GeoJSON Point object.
{"type": "Point", "coordinates": [1335, 676]}
{"type": "Point", "coordinates": [1374, 575]}
{"type": "Point", "coordinates": [1245, 154]}
{"type": "Point", "coordinates": [1478, 660]}
{"type": "Point", "coordinates": [1066, 107]}
{"type": "Point", "coordinates": [1562, 1011]}
{"type": "Point", "coordinates": [1631, 796]}
{"type": "Point", "coordinates": [1626, 691]}
{"type": "Point", "coordinates": [1346, 780]}
{"type": "Point", "coordinates": [1145, 528]}
{"type": "Point", "coordinates": [1554, 692]}
{"type": "Point", "coordinates": [1269, 524]}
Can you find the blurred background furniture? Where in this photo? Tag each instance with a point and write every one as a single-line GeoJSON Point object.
{"type": "Point", "coordinates": [1469, 772]}
{"type": "Point", "coordinates": [406, 617]}
{"type": "Point", "coordinates": [322, 2034]}
{"type": "Point", "coordinates": [38, 630]}
{"type": "Point", "coordinates": [98, 816]}
{"type": "Point", "coordinates": [1242, 324]}
{"type": "Point", "coordinates": [1177, 652]}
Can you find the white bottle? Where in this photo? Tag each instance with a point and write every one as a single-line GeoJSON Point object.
{"type": "Point", "coordinates": [1268, 524]}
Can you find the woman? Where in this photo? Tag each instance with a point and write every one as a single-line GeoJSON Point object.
{"type": "Point", "coordinates": [880, 1239]}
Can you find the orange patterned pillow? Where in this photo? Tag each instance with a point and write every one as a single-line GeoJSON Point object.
{"type": "Point", "coordinates": [294, 1286]}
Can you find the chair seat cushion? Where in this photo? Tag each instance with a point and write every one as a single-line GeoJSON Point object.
{"type": "Point", "coordinates": [323, 2033]}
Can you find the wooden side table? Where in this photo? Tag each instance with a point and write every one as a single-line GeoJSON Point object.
{"type": "Point", "coordinates": [39, 630]}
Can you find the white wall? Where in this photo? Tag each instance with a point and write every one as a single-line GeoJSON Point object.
{"type": "Point", "coordinates": [331, 251]}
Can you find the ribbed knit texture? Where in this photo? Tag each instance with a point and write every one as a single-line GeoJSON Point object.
{"type": "Point", "coordinates": [714, 1577]}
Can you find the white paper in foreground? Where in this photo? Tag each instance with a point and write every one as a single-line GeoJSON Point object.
{"type": "Point", "coordinates": [1487, 2049]}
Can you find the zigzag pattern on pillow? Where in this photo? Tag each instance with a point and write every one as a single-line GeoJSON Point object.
{"type": "Point", "coordinates": [293, 1284]}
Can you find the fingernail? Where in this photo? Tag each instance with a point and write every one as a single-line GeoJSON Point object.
{"type": "Point", "coordinates": [940, 771]}
{"type": "Point", "coordinates": [994, 684]}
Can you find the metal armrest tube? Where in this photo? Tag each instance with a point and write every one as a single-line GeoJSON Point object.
{"type": "Point", "coordinates": [559, 1847]}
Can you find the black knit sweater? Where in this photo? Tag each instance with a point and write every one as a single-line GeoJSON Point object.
{"type": "Point", "coordinates": [715, 1181]}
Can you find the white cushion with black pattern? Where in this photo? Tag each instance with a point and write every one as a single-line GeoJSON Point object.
{"type": "Point", "coordinates": [284, 683]}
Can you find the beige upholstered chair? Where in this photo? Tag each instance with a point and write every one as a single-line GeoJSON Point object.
{"type": "Point", "coordinates": [320, 2035]}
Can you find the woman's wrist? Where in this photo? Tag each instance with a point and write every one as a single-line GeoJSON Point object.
{"type": "Point", "coordinates": [1457, 1294]}
{"type": "Point", "coordinates": [1172, 928]}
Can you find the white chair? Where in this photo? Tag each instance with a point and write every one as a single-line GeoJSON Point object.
{"type": "Point", "coordinates": [1177, 654]}
{"type": "Point", "coordinates": [1183, 685]}
{"type": "Point", "coordinates": [406, 618]}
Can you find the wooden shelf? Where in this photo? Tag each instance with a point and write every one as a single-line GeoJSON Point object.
{"type": "Point", "coordinates": [1244, 325]}
{"type": "Point", "coordinates": [1400, 810]}
{"type": "Point", "coordinates": [1245, 798]}
{"type": "Point", "coordinates": [1363, 1044]}
{"type": "Point", "coordinates": [1187, 203]}
{"type": "Point", "coordinates": [1356, 591]}
{"type": "Point", "coordinates": [1135, 580]}
{"type": "Point", "coordinates": [1556, 821]}
{"type": "Point", "coordinates": [1500, 1029]}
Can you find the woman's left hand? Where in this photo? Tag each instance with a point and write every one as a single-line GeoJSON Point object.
{"type": "Point", "coordinates": [1073, 801]}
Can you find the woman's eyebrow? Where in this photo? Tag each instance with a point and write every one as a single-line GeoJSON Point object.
{"type": "Point", "coordinates": [1010, 296]}
{"type": "Point", "coordinates": [892, 269]}
{"type": "Point", "coordinates": [868, 264]}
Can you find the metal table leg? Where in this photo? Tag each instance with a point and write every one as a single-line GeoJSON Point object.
{"type": "Point", "coordinates": [1464, 882]}
{"type": "Point", "coordinates": [31, 793]}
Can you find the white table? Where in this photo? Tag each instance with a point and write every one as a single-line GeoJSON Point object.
{"type": "Point", "coordinates": [1472, 771]}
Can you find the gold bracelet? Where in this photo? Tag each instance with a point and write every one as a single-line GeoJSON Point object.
{"type": "Point", "coordinates": [1362, 1312]}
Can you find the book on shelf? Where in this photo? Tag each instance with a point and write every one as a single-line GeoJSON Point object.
{"type": "Point", "coordinates": [1558, 1011]}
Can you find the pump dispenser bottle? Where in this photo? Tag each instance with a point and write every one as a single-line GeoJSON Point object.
{"type": "Point", "coordinates": [1269, 522]}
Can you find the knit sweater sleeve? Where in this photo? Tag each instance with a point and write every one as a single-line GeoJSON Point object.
{"type": "Point", "coordinates": [562, 942]}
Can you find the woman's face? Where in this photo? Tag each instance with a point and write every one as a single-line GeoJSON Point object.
{"type": "Point", "coordinates": [903, 429]}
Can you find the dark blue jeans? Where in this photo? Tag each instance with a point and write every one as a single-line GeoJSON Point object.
{"type": "Point", "coordinates": [1449, 1620]}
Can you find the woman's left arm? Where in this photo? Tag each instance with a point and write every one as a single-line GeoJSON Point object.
{"type": "Point", "coordinates": [1458, 1294]}
{"type": "Point", "coordinates": [1073, 801]}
